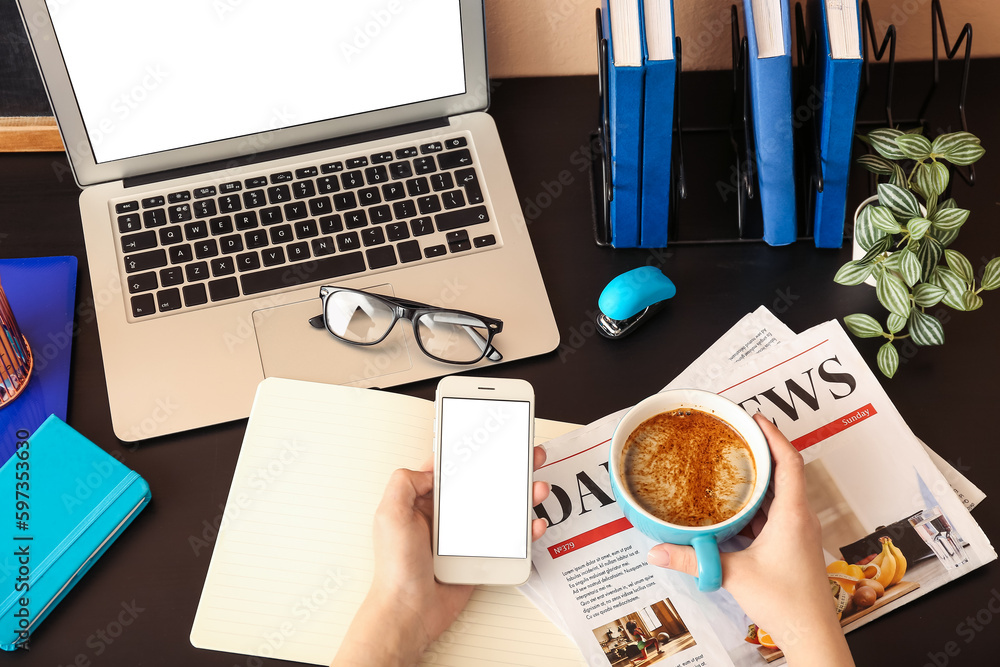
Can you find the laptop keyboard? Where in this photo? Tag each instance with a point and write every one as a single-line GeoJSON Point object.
{"type": "Point", "coordinates": [234, 239]}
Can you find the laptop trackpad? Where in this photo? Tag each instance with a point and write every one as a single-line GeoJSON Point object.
{"type": "Point", "coordinates": [292, 348]}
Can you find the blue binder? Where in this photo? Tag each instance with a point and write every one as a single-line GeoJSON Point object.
{"type": "Point", "coordinates": [657, 139]}
{"type": "Point", "coordinates": [771, 101]}
{"type": "Point", "coordinates": [838, 80]}
{"type": "Point", "coordinates": [78, 499]}
{"type": "Point", "coordinates": [625, 90]}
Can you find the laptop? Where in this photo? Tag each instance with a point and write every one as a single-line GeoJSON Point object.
{"type": "Point", "coordinates": [234, 157]}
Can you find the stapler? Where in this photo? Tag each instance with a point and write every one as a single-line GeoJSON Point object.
{"type": "Point", "coordinates": [630, 299]}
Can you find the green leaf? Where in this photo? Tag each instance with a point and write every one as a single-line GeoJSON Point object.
{"type": "Point", "coordinates": [888, 359]}
{"type": "Point", "coordinates": [876, 164]}
{"type": "Point", "coordinates": [914, 146]}
{"type": "Point", "coordinates": [929, 255]}
{"type": "Point", "coordinates": [950, 280]}
{"type": "Point", "coordinates": [865, 232]}
{"type": "Point", "coordinates": [927, 295]}
{"type": "Point", "coordinates": [895, 323]}
{"type": "Point", "coordinates": [883, 219]}
{"type": "Point", "coordinates": [953, 301]}
{"type": "Point", "coordinates": [958, 263]}
{"type": "Point", "coordinates": [932, 178]}
{"type": "Point", "coordinates": [917, 227]}
{"type": "Point", "coordinates": [950, 218]}
{"type": "Point", "coordinates": [893, 294]}
{"type": "Point", "coordinates": [852, 273]}
{"type": "Point", "coordinates": [926, 329]}
{"type": "Point", "coordinates": [901, 202]}
{"type": "Point", "coordinates": [958, 147]}
{"type": "Point", "coordinates": [879, 247]}
{"type": "Point", "coordinates": [863, 326]}
{"type": "Point", "coordinates": [972, 301]}
{"type": "Point", "coordinates": [909, 267]}
{"type": "Point", "coordinates": [898, 177]}
{"type": "Point", "coordinates": [991, 276]}
{"type": "Point", "coordinates": [945, 236]}
{"type": "Point", "coordinates": [947, 142]}
{"type": "Point", "coordinates": [884, 141]}
{"type": "Point", "coordinates": [891, 261]}
{"type": "Point", "coordinates": [948, 203]}
{"type": "Point", "coordinates": [915, 130]}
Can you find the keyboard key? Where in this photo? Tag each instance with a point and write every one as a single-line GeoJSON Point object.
{"type": "Point", "coordinates": [281, 234]}
{"type": "Point", "coordinates": [393, 191]}
{"type": "Point", "coordinates": [127, 207]}
{"type": "Point", "coordinates": [404, 209]}
{"type": "Point", "coordinates": [129, 223]}
{"type": "Point", "coordinates": [352, 179]}
{"type": "Point", "coordinates": [379, 214]}
{"type": "Point", "coordinates": [205, 249]}
{"type": "Point", "coordinates": [379, 158]}
{"type": "Point", "coordinates": [348, 241]}
{"type": "Point", "coordinates": [142, 305]}
{"type": "Point", "coordinates": [230, 203]}
{"type": "Point", "coordinates": [331, 224]}
{"type": "Point", "coordinates": [421, 226]}
{"type": "Point", "coordinates": [417, 187]}
{"type": "Point", "coordinates": [156, 217]}
{"type": "Point", "coordinates": [246, 220]}
{"type": "Point", "coordinates": [177, 197]}
{"type": "Point", "coordinates": [356, 162]}
{"type": "Point", "coordinates": [206, 191]}
{"type": "Point", "coordinates": [453, 199]}
{"type": "Point", "coordinates": [171, 235]}
{"type": "Point", "coordinates": [303, 189]}
{"type": "Point", "coordinates": [306, 172]}
{"type": "Point", "coordinates": [227, 288]}
{"type": "Point", "coordinates": [140, 241]}
{"type": "Point", "coordinates": [223, 225]}
{"type": "Point", "coordinates": [256, 239]}
{"type": "Point", "coordinates": [442, 182]}
{"type": "Point", "coordinates": [323, 246]}
{"type": "Point", "coordinates": [281, 177]}
{"type": "Point", "coordinates": [178, 213]}
{"type": "Point", "coordinates": [460, 245]}
{"type": "Point", "coordinates": [306, 229]}
{"type": "Point", "coordinates": [429, 204]}
{"type": "Point", "coordinates": [194, 295]}
{"type": "Point", "coordinates": [142, 282]}
{"type": "Point", "coordinates": [409, 251]}
{"type": "Point", "coordinates": [344, 201]}
{"type": "Point", "coordinates": [171, 276]}
{"type": "Point", "coordinates": [195, 230]}
{"type": "Point", "coordinates": [403, 153]}
{"type": "Point", "coordinates": [455, 142]}
{"type": "Point", "coordinates": [397, 231]}
{"type": "Point", "coordinates": [355, 219]}
{"type": "Point", "coordinates": [278, 194]}
{"type": "Point", "coordinates": [376, 175]}
{"type": "Point", "coordinates": [320, 269]}
{"type": "Point", "coordinates": [455, 237]}
{"type": "Point", "coordinates": [369, 196]}
{"type": "Point", "coordinates": [271, 216]}
{"type": "Point", "coordinates": [462, 217]}
{"type": "Point", "coordinates": [455, 159]}
{"type": "Point", "coordinates": [467, 179]}
{"type": "Point", "coordinates": [180, 254]}
{"type": "Point", "coordinates": [372, 236]}
{"type": "Point", "coordinates": [273, 256]}
{"type": "Point", "coordinates": [483, 241]}
{"type": "Point", "coordinates": [154, 202]}
{"type": "Point", "coordinates": [424, 165]}
{"type": "Point", "coordinates": [434, 147]}
{"type": "Point", "coordinates": [257, 182]}
{"type": "Point", "coordinates": [331, 167]}
{"type": "Point", "coordinates": [295, 211]}
{"type": "Point", "coordinates": [145, 261]}
{"type": "Point", "coordinates": [248, 261]}
{"type": "Point", "coordinates": [328, 184]}
{"type": "Point", "coordinates": [320, 206]}
{"type": "Point", "coordinates": [298, 252]}
{"type": "Point", "coordinates": [168, 300]}
{"type": "Point", "coordinates": [435, 251]}
{"type": "Point", "coordinates": [400, 170]}
{"type": "Point", "coordinates": [223, 266]}
{"type": "Point", "coordinates": [234, 186]}
{"type": "Point", "coordinates": [231, 244]}
{"type": "Point", "coordinates": [196, 271]}
{"type": "Point", "coordinates": [379, 258]}
{"type": "Point", "coordinates": [254, 199]}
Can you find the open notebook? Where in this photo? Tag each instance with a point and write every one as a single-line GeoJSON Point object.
{"type": "Point", "coordinates": [293, 559]}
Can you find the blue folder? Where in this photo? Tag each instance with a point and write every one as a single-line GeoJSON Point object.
{"type": "Point", "coordinates": [625, 86]}
{"type": "Point", "coordinates": [838, 81]}
{"type": "Point", "coordinates": [771, 102]}
{"type": "Point", "coordinates": [657, 138]}
{"type": "Point", "coordinates": [77, 501]}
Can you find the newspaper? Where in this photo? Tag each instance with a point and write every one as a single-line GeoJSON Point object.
{"type": "Point", "coordinates": [865, 470]}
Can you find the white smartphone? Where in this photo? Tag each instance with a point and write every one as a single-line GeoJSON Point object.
{"type": "Point", "coordinates": [483, 462]}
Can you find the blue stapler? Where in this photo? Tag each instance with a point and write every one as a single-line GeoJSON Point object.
{"type": "Point", "coordinates": [630, 299]}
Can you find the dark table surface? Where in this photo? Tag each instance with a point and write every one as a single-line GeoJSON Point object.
{"type": "Point", "coordinates": [152, 576]}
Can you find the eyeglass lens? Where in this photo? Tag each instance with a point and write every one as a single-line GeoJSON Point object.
{"type": "Point", "coordinates": [356, 318]}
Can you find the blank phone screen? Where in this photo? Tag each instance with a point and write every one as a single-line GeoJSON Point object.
{"type": "Point", "coordinates": [484, 461]}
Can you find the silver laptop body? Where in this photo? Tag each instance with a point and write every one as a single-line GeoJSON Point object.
{"type": "Point", "coordinates": [153, 137]}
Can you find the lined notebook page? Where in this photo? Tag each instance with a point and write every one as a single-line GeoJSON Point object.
{"type": "Point", "coordinates": [293, 558]}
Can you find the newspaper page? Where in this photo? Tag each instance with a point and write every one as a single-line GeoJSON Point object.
{"type": "Point", "coordinates": [867, 473]}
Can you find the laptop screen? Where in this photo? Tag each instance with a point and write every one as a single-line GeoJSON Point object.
{"type": "Point", "coordinates": [151, 77]}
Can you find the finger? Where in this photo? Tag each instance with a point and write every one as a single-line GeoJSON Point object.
{"type": "Point", "coordinates": [538, 527]}
{"type": "Point", "coordinates": [674, 557]}
{"type": "Point", "coordinates": [539, 492]}
{"type": "Point", "coordinates": [428, 463]}
{"type": "Point", "coordinates": [540, 456]}
{"type": "Point", "coordinates": [789, 475]}
{"type": "Point", "coordinates": [405, 486]}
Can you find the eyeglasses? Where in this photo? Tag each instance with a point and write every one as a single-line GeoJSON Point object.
{"type": "Point", "coordinates": [451, 336]}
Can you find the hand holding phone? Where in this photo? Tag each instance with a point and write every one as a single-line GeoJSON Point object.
{"type": "Point", "coordinates": [483, 462]}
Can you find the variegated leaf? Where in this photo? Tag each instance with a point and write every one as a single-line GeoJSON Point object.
{"type": "Point", "coordinates": [926, 329]}
{"type": "Point", "coordinates": [900, 201]}
{"type": "Point", "coordinates": [972, 301]}
{"type": "Point", "coordinates": [948, 203]}
{"type": "Point", "coordinates": [917, 227]}
{"type": "Point", "coordinates": [932, 177]}
{"type": "Point", "coordinates": [852, 273]}
{"type": "Point", "coordinates": [991, 276]}
{"type": "Point", "coordinates": [898, 177]}
{"type": "Point", "coordinates": [865, 232]}
{"type": "Point", "coordinates": [944, 236]}
{"type": "Point", "coordinates": [883, 219]}
{"type": "Point", "coordinates": [893, 294]}
{"type": "Point", "coordinates": [863, 326]}
{"type": "Point", "coordinates": [884, 141]}
{"type": "Point", "coordinates": [914, 146]}
{"type": "Point", "coordinates": [895, 323]}
{"type": "Point", "coordinates": [950, 218]}
{"type": "Point", "coordinates": [960, 264]}
{"type": "Point", "coordinates": [891, 261]}
{"type": "Point", "coordinates": [929, 254]}
{"type": "Point", "coordinates": [879, 247]}
{"type": "Point", "coordinates": [876, 164]}
{"type": "Point", "coordinates": [927, 295]}
{"type": "Point", "coordinates": [950, 280]}
{"type": "Point", "coordinates": [944, 143]}
{"type": "Point", "coordinates": [909, 267]}
{"type": "Point", "coordinates": [888, 359]}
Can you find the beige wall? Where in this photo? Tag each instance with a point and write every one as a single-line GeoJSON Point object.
{"type": "Point", "coordinates": [551, 37]}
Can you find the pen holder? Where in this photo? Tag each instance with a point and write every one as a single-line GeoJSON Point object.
{"type": "Point", "coordinates": [16, 361]}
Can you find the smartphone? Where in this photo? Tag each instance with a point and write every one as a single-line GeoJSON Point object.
{"type": "Point", "coordinates": [483, 463]}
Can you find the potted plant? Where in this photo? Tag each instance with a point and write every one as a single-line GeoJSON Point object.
{"type": "Point", "coordinates": [906, 234]}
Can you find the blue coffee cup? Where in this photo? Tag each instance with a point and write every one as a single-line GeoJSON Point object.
{"type": "Point", "coordinates": [704, 539]}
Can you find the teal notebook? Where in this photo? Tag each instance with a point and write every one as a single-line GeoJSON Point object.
{"type": "Point", "coordinates": [68, 500]}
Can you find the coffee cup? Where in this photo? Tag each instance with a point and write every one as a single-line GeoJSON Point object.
{"type": "Point", "coordinates": [690, 467]}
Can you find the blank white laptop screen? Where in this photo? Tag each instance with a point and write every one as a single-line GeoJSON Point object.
{"type": "Point", "coordinates": [151, 77]}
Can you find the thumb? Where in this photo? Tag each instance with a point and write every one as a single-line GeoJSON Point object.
{"type": "Point", "coordinates": [674, 557]}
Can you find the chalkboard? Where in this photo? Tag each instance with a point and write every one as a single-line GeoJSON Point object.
{"type": "Point", "coordinates": [21, 89]}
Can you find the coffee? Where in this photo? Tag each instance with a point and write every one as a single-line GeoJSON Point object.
{"type": "Point", "coordinates": [688, 467]}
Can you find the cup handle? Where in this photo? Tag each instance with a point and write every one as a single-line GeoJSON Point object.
{"type": "Point", "coordinates": [706, 549]}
